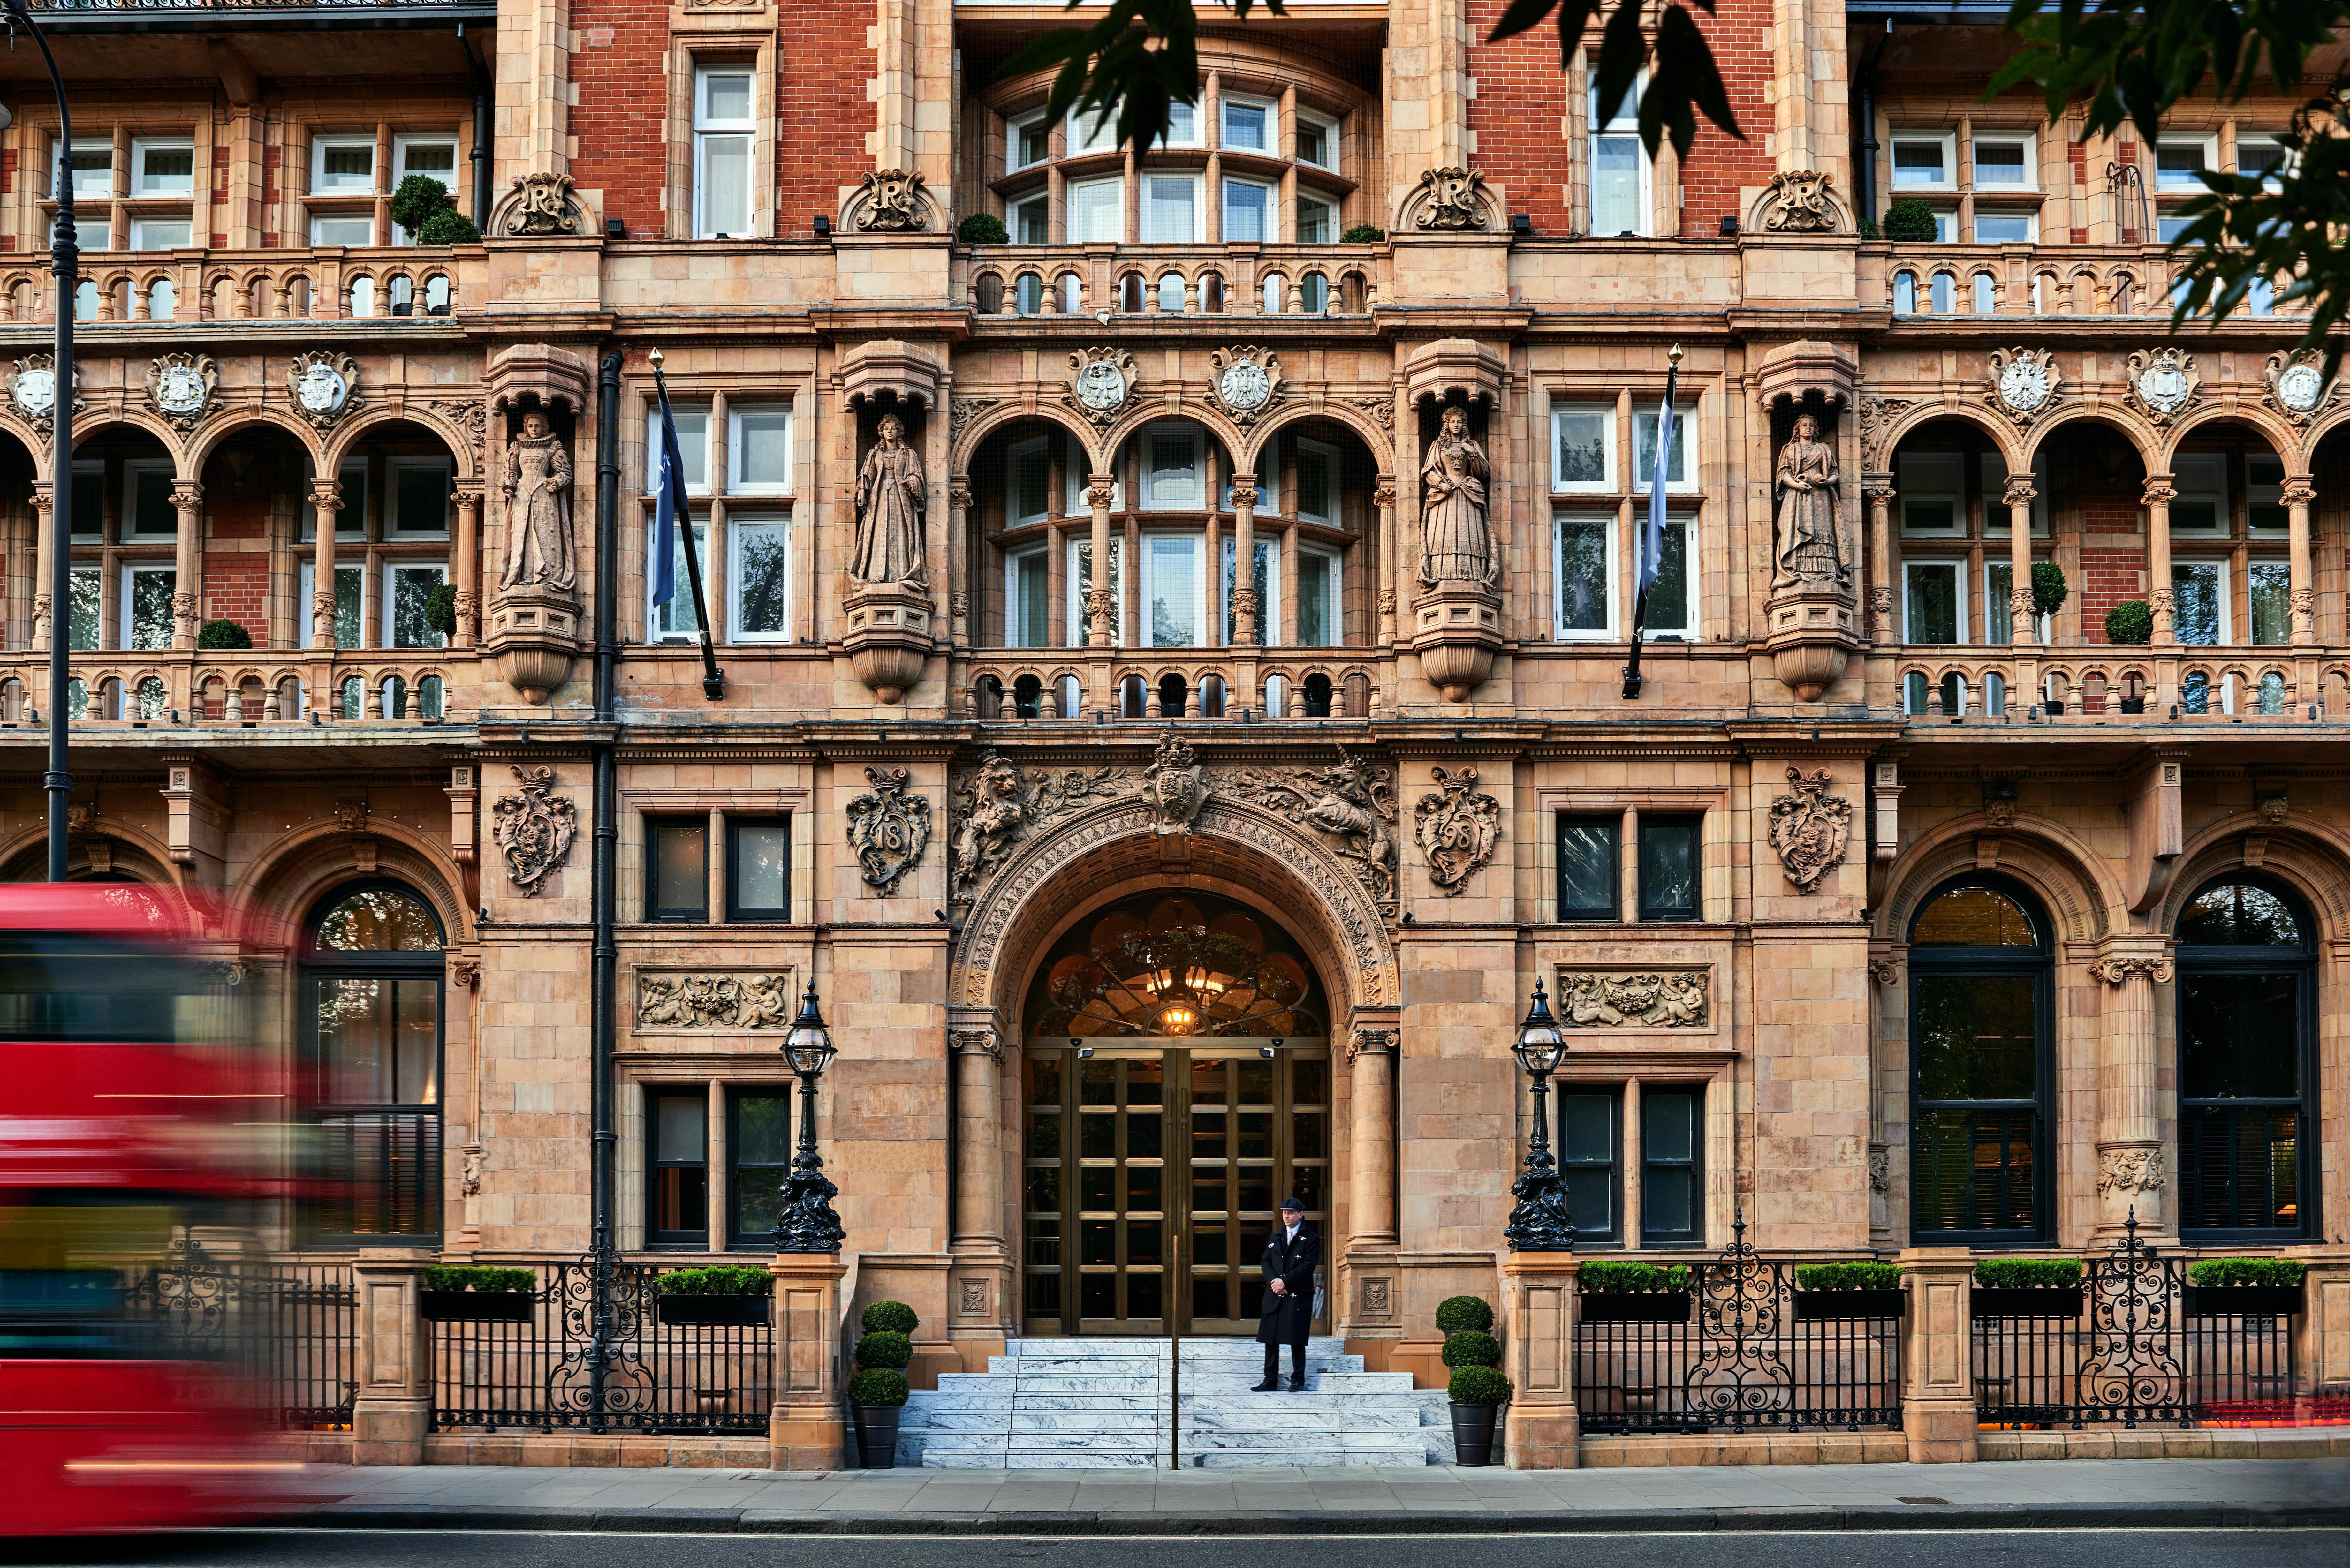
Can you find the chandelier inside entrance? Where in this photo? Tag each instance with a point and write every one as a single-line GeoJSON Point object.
{"type": "Point", "coordinates": [1174, 969]}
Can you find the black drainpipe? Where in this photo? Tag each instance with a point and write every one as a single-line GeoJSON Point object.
{"type": "Point", "coordinates": [1864, 181]}
{"type": "Point", "coordinates": [481, 159]}
{"type": "Point", "coordinates": [603, 999]}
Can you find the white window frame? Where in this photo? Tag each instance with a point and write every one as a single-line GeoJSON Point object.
{"type": "Point", "coordinates": [735, 577]}
{"type": "Point", "coordinates": [1019, 565]}
{"type": "Point", "coordinates": [687, 446]}
{"type": "Point", "coordinates": [309, 592]}
{"type": "Point", "coordinates": [386, 621]}
{"type": "Point", "coordinates": [1151, 435]}
{"type": "Point", "coordinates": [394, 468]}
{"type": "Point", "coordinates": [138, 227]}
{"type": "Point", "coordinates": [1015, 454]}
{"type": "Point", "coordinates": [735, 413]}
{"type": "Point", "coordinates": [2026, 139]}
{"type": "Point", "coordinates": [127, 527]}
{"type": "Point", "coordinates": [1043, 202]}
{"type": "Point", "coordinates": [1686, 523]}
{"type": "Point", "coordinates": [1178, 138]}
{"type": "Point", "coordinates": [1620, 125]}
{"type": "Point", "coordinates": [2189, 186]}
{"type": "Point", "coordinates": [320, 237]}
{"type": "Point", "coordinates": [401, 146]}
{"type": "Point", "coordinates": [682, 595]}
{"type": "Point", "coordinates": [2271, 180]}
{"type": "Point", "coordinates": [1077, 482]}
{"type": "Point", "coordinates": [1329, 455]}
{"type": "Point", "coordinates": [2224, 576]}
{"type": "Point", "coordinates": [1073, 609]}
{"type": "Point", "coordinates": [97, 630]}
{"type": "Point", "coordinates": [1332, 210]}
{"type": "Point", "coordinates": [1948, 141]}
{"type": "Point", "coordinates": [1685, 437]}
{"type": "Point", "coordinates": [2264, 493]}
{"type": "Point", "coordinates": [1610, 531]}
{"type": "Point", "coordinates": [1146, 215]}
{"type": "Point", "coordinates": [131, 572]}
{"type": "Point", "coordinates": [1957, 568]}
{"type": "Point", "coordinates": [85, 144]}
{"type": "Point", "coordinates": [1334, 620]}
{"type": "Point", "coordinates": [1230, 101]}
{"type": "Point", "coordinates": [2041, 623]}
{"type": "Point", "coordinates": [1329, 128]}
{"type": "Point", "coordinates": [143, 145]}
{"type": "Point", "coordinates": [1559, 414]}
{"type": "Point", "coordinates": [1995, 525]}
{"type": "Point", "coordinates": [1199, 541]}
{"type": "Point", "coordinates": [2201, 477]}
{"type": "Point", "coordinates": [1116, 183]}
{"type": "Point", "coordinates": [1098, 132]}
{"type": "Point", "coordinates": [321, 145]}
{"type": "Point", "coordinates": [1938, 475]}
{"type": "Point", "coordinates": [1272, 236]}
{"type": "Point", "coordinates": [707, 127]}
{"type": "Point", "coordinates": [2031, 228]}
{"type": "Point", "coordinates": [1016, 132]}
{"type": "Point", "coordinates": [353, 473]}
{"type": "Point", "coordinates": [1268, 615]}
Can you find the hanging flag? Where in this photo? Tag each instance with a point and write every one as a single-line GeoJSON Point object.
{"type": "Point", "coordinates": [1652, 533]}
{"type": "Point", "coordinates": [668, 489]}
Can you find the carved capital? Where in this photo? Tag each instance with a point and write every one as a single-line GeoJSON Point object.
{"type": "Point", "coordinates": [1884, 972]}
{"type": "Point", "coordinates": [2018, 607]}
{"type": "Point", "coordinates": [2021, 492]}
{"type": "Point", "coordinates": [1372, 1043]}
{"type": "Point", "coordinates": [2116, 968]}
{"type": "Point", "coordinates": [1101, 489]}
{"type": "Point", "coordinates": [1383, 494]}
{"type": "Point", "coordinates": [187, 495]}
{"type": "Point", "coordinates": [975, 1043]}
{"type": "Point", "coordinates": [322, 611]}
{"type": "Point", "coordinates": [2158, 492]}
{"type": "Point", "coordinates": [1245, 492]}
{"type": "Point", "coordinates": [959, 495]}
{"type": "Point", "coordinates": [327, 494]}
{"type": "Point", "coordinates": [2298, 493]}
{"type": "Point", "coordinates": [466, 973]}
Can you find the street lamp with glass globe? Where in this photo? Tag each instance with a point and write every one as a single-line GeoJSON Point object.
{"type": "Point", "coordinates": [805, 1221]}
{"type": "Point", "coordinates": [1539, 1222]}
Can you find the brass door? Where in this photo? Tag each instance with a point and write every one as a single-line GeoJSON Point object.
{"type": "Point", "coordinates": [1151, 1174]}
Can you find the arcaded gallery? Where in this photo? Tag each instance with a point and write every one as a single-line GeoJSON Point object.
{"type": "Point", "coordinates": [1122, 720]}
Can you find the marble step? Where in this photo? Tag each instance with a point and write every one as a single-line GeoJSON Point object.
{"type": "Point", "coordinates": [1017, 1459]}
{"type": "Point", "coordinates": [1387, 1442]}
{"type": "Point", "coordinates": [1316, 1382]}
{"type": "Point", "coordinates": [1298, 1424]}
{"type": "Point", "coordinates": [1006, 1402]}
{"type": "Point", "coordinates": [1025, 1365]}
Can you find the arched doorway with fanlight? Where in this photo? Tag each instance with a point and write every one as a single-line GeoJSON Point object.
{"type": "Point", "coordinates": [1176, 1086]}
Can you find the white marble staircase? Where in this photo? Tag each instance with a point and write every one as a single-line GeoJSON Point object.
{"type": "Point", "coordinates": [1069, 1404]}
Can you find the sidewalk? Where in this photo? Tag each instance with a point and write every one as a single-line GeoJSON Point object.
{"type": "Point", "coordinates": [2072, 1494]}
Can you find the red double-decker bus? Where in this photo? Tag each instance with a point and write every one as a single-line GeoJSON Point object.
{"type": "Point", "coordinates": [136, 1124]}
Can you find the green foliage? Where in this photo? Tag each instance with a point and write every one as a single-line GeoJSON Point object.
{"type": "Point", "coordinates": [1362, 234]}
{"type": "Point", "coordinates": [1472, 1347]}
{"type": "Point", "coordinates": [1610, 1278]}
{"type": "Point", "coordinates": [423, 206]}
{"type": "Point", "coordinates": [1478, 1386]}
{"type": "Point", "coordinates": [1454, 1314]}
{"type": "Point", "coordinates": [885, 1349]}
{"type": "Point", "coordinates": [877, 1386]}
{"type": "Point", "coordinates": [2028, 1273]}
{"type": "Point", "coordinates": [2129, 622]}
{"type": "Point", "coordinates": [2049, 591]}
{"type": "Point", "coordinates": [446, 227]}
{"type": "Point", "coordinates": [1910, 221]}
{"type": "Point", "coordinates": [982, 229]}
{"type": "Point", "coordinates": [722, 1281]}
{"type": "Point", "coordinates": [2247, 1271]}
{"type": "Point", "coordinates": [1868, 229]}
{"type": "Point", "coordinates": [482, 1282]}
{"type": "Point", "coordinates": [888, 1317]}
{"type": "Point", "coordinates": [441, 609]}
{"type": "Point", "coordinates": [1852, 1276]}
{"type": "Point", "coordinates": [222, 634]}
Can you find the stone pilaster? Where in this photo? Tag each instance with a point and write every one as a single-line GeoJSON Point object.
{"type": "Point", "coordinates": [1938, 1384]}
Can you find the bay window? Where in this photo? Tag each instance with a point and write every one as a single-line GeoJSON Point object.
{"type": "Point", "coordinates": [1248, 125]}
{"type": "Point", "coordinates": [407, 590]}
{"type": "Point", "coordinates": [147, 619]}
{"type": "Point", "coordinates": [1096, 212]}
{"type": "Point", "coordinates": [1248, 212]}
{"type": "Point", "coordinates": [1319, 600]}
{"type": "Point", "coordinates": [2199, 591]}
{"type": "Point", "coordinates": [1174, 589]}
{"type": "Point", "coordinates": [1171, 210]}
{"type": "Point", "coordinates": [1027, 598]}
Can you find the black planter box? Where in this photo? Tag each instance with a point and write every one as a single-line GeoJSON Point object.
{"type": "Point", "coordinates": [2028, 1300]}
{"type": "Point", "coordinates": [1633, 1306]}
{"type": "Point", "coordinates": [2133, 704]}
{"type": "Point", "coordinates": [1818, 1306]}
{"type": "Point", "coordinates": [1472, 1434]}
{"type": "Point", "coordinates": [2243, 1301]}
{"type": "Point", "coordinates": [678, 1310]}
{"type": "Point", "coordinates": [477, 1306]}
{"type": "Point", "coordinates": [877, 1435]}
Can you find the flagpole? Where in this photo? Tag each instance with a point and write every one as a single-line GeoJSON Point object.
{"type": "Point", "coordinates": [1643, 580]}
{"type": "Point", "coordinates": [713, 680]}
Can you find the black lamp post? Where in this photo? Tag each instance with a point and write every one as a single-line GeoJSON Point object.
{"type": "Point", "coordinates": [1539, 1222]}
{"type": "Point", "coordinates": [65, 260]}
{"type": "Point", "coordinates": [805, 1221]}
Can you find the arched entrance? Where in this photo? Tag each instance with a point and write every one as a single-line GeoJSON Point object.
{"type": "Point", "coordinates": [1176, 1086]}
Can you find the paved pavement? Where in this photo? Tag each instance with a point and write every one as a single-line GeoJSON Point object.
{"type": "Point", "coordinates": [2070, 1494]}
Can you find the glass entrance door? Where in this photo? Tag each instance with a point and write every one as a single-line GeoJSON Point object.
{"type": "Point", "coordinates": [1150, 1177]}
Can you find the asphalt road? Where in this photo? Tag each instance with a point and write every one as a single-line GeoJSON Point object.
{"type": "Point", "coordinates": [1892, 1549]}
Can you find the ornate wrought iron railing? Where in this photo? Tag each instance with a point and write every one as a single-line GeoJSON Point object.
{"type": "Point", "coordinates": [291, 1326]}
{"type": "Point", "coordinates": [558, 1371]}
{"type": "Point", "coordinates": [1746, 1356]}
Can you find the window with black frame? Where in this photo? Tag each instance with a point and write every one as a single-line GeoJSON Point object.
{"type": "Point", "coordinates": [676, 1161]}
{"type": "Point", "coordinates": [2247, 970]}
{"type": "Point", "coordinates": [758, 1158]}
{"type": "Point", "coordinates": [1587, 1149]}
{"type": "Point", "coordinates": [677, 869]}
{"type": "Point", "coordinates": [1670, 867]}
{"type": "Point", "coordinates": [759, 868]}
{"type": "Point", "coordinates": [371, 1035]}
{"type": "Point", "coordinates": [1589, 877]}
{"type": "Point", "coordinates": [1671, 1210]}
{"type": "Point", "coordinates": [1979, 998]}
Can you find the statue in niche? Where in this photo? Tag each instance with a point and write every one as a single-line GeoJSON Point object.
{"type": "Point", "coordinates": [1455, 541]}
{"type": "Point", "coordinates": [539, 528]}
{"type": "Point", "coordinates": [1811, 552]}
{"type": "Point", "coordinates": [891, 492]}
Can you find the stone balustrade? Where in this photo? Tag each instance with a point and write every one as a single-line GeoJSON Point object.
{"type": "Point", "coordinates": [324, 284]}
{"type": "Point", "coordinates": [1177, 280]}
{"type": "Point", "coordinates": [144, 688]}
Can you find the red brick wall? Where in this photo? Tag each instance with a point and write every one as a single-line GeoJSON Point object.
{"type": "Point", "coordinates": [821, 111]}
{"type": "Point", "coordinates": [623, 99]}
{"type": "Point", "coordinates": [236, 588]}
{"type": "Point", "coordinates": [1717, 165]}
{"type": "Point", "coordinates": [2113, 554]}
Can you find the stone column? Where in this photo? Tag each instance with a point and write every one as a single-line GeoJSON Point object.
{"type": "Point", "coordinates": [1937, 1383]}
{"type": "Point", "coordinates": [1246, 606]}
{"type": "Point", "coordinates": [326, 496]}
{"type": "Point", "coordinates": [43, 556]}
{"type": "Point", "coordinates": [1383, 496]}
{"type": "Point", "coordinates": [465, 566]}
{"type": "Point", "coordinates": [2022, 630]}
{"type": "Point", "coordinates": [805, 1430]}
{"type": "Point", "coordinates": [2298, 496]}
{"type": "Point", "coordinates": [1101, 596]}
{"type": "Point", "coordinates": [958, 562]}
{"type": "Point", "coordinates": [978, 1287]}
{"type": "Point", "coordinates": [1542, 1431]}
{"type": "Point", "coordinates": [188, 563]}
{"type": "Point", "coordinates": [1371, 1154]}
{"type": "Point", "coordinates": [2160, 493]}
{"type": "Point", "coordinates": [1878, 490]}
{"type": "Point", "coordinates": [2130, 1150]}
{"type": "Point", "coordinates": [394, 1404]}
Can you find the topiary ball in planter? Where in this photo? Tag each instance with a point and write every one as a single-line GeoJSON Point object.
{"type": "Point", "coordinates": [1454, 1314]}
{"type": "Point", "coordinates": [885, 1349]}
{"type": "Point", "coordinates": [1476, 1393]}
{"type": "Point", "coordinates": [447, 227]}
{"type": "Point", "coordinates": [982, 229]}
{"type": "Point", "coordinates": [2129, 622]}
{"type": "Point", "coordinates": [1911, 222]}
{"type": "Point", "coordinates": [222, 634]}
{"type": "Point", "coordinates": [441, 609]}
{"type": "Point", "coordinates": [876, 1397]}
{"type": "Point", "coordinates": [1362, 234]}
{"type": "Point", "coordinates": [888, 1317]}
{"type": "Point", "coordinates": [2049, 590]}
{"type": "Point", "coordinates": [1472, 1347]}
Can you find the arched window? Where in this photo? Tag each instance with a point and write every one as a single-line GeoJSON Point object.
{"type": "Point", "coordinates": [1980, 980]}
{"type": "Point", "coordinates": [370, 1024]}
{"type": "Point", "coordinates": [2247, 966]}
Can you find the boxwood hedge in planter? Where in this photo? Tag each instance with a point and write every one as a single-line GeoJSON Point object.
{"type": "Point", "coordinates": [2245, 1287]}
{"type": "Point", "coordinates": [1848, 1289]}
{"type": "Point", "coordinates": [1477, 1394]}
{"type": "Point", "coordinates": [1454, 1314]}
{"type": "Point", "coordinates": [2129, 623]}
{"type": "Point", "coordinates": [884, 1353]}
{"type": "Point", "coordinates": [888, 1317]}
{"type": "Point", "coordinates": [2028, 1287]}
{"type": "Point", "coordinates": [1472, 1347]}
{"type": "Point", "coordinates": [455, 1293]}
{"type": "Point", "coordinates": [1632, 1293]}
{"type": "Point", "coordinates": [888, 1348]}
{"type": "Point", "coordinates": [723, 1294]}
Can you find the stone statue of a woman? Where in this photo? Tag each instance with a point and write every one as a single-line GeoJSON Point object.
{"type": "Point", "coordinates": [538, 531]}
{"type": "Point", "coordinates": [891, 491]}
{"type": "Point", "coordinates": [1455, 541]}
{"type": "Point", "coordinates": [1811, 552]}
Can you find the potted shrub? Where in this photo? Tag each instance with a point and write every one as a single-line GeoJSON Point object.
{"type": "Point", "coordinates": [1848, 1289]}
{"type": "Point", "coordinates": [877, 1395]}
{"type": "Point", "coordinates": [427, 211]}
{"type": "Point", "coordinates": [982, 229]}
{"type": "Point", "coordinates": [723, 1294]}
{"type": "Point", "coordinates": [465, 1294]}
{"type": "Point", "coordinates": [2245, 1287]}
{"type": "Point", "coordinates": [1362, 234]}
{"type": "Point", "coordinates": [2129, 624]}
{"type": "Point", "coordinates": [222, 634]}
{"type": "Point", "coordinates": [441, 609]}
{"type": "Point", "coordinates": [1632, 1293]}
{"type": "Point", "coordinates": [1477, 1393]}
{"type": "Point", "coordinates": [1911, 222]}
{"type": "Point", "coordinates": [2028, 1287]}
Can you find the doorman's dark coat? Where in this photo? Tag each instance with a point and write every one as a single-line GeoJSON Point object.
{"type": "Point", "coordinates": [1289, 1319]}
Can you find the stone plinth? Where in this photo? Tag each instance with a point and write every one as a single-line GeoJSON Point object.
{"type": "Point", "coordinates": [807, 1430]}
{"type": "Point", "coordinates": [1813, 632]}
{"type": "Point", "coordinates": [1456, 631]}
{"type": "Point", "coordinates": [532, 637]}
{"type": "Point", "coordinates": [1937, 1383]}
{"type": "Point", "coordinates": [1542, 1428]}
{"type": "Point", "coordinates": [888, 637]}
{"type": "Point", "coordinates": [393, 1408]}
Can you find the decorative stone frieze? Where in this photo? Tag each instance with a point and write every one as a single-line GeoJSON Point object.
{"type": "Point", "coordinates": [1635, 999]}
{"type": "Point", "coordinates": [996, 804]}
{"type": "Point", "coordinates": [2163, 383]}
{"type": "Point", "coordinates": [2132, 1171]}
{"type": "Point", "coordinates": [888, 828]}
{"type": "Point", "coordinates": [1174, 785]}
{"type": "Point", "coordinates": [33, 390]}
{"type": "Point", "coordinates": [734, 1001]}
{"type": "Point", "coordinates": [180, 388]}
{"type": "Point", "coordinates": [2022, 383]}
{"type": "Point", "coordinates": [533, 829]}
{"type": "Point", "coordinates": [1458, 827]}
{"type": "Point", "coordinates": [1245, 382]}
{"type": "Point", "coordinates": [1353, 803]}
{"type": "Point", "coordinates": [889, 201]}
{"type": "Point", "coordinates": [1448, 201]}
{"type": "Point", "coordinates": [2296, 386]}
{"type": "Point", "coordinates": [324, 385]}
{"type": "Point", "coordinates": [1878, 416]}
{"type": "Point", "coordinates": [1809, 829]}
{"type": "Point", "coordinates": [1101, 381]}
{"type": "Point", "coordinates": [542, 205]}
{"type": "Point", "coordinates": [1800, 202]}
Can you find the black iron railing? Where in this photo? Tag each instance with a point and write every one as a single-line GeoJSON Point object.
{"type": "Point", "coordinates": [291, 1327]}
{"type": "Point", "coordinates": [1746, 1357]}
{"type": "Point", "coordinates": [554, 1372]}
